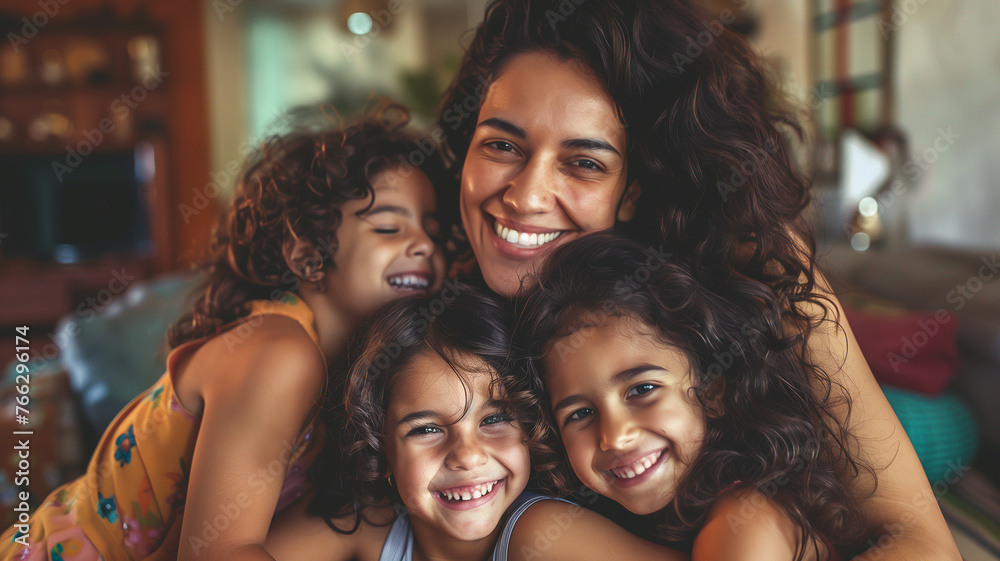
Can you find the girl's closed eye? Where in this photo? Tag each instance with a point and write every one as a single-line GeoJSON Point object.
{"type": "Point", "coordinates": [423, 430]}
{"type": "Point", "coordinates": [387, 229]}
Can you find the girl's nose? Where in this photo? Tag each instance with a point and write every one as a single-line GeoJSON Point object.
{"type": "Point", "coordinates": [466, 454]}
{"type": "Point", "coordinates": [421, 245]}
{"type": "Point", "coordinates": [618, 430]}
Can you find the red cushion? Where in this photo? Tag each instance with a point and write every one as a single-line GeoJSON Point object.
{"type": "Point", "coordinates": [907, 349]}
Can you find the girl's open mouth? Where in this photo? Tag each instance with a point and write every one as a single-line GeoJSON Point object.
{"type": "Point", "coordinates": [469, 496]}
{"type": "Point", "coordinates": [638, 470]}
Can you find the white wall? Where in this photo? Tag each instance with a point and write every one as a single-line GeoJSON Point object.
{"type": "Point", "coordinates": [948, 77]}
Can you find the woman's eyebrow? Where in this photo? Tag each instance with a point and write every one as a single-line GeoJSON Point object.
{"type": "Point", "coordinates": [505, 126]}
{"type": "Point", "coordinates": [590, 144]}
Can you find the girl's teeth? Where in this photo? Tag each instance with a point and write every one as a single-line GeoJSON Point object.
{"type": "Point", "coordinates": [525, 239]}
{"type": "Point", "coordinates": [637, 468]}
{"type": "Point", "coordinates": [475, 493]}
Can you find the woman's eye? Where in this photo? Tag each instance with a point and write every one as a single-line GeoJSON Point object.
{"type": "Point", "coordinates": [387, 230]}
{"type": "Point", "coordinates": [497, 418]}
{"type": "Point", "coordinates": [641, 389]}
{"type": "Point", "coordinates": [423, 430]}
{"type": "Point", "coordinates": [579, 415]}
{"type": "Point", "coordinates": [586, 164]}
{"type": "Point", "coordinates": [501, 145]}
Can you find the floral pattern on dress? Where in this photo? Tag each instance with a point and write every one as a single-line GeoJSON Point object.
{"type": "Point", "coordinates": [106, 508]}
{"type": "Point", "coordinates": [125, 443]}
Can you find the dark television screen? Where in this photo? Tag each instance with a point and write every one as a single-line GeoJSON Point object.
{"type": "Point", "coordinates": [51, 211]}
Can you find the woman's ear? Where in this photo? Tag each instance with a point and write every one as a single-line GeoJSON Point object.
{"type": "Point", "coordinates": [712, 398]}
{"type": "Point", "coordinates": [630, 201]}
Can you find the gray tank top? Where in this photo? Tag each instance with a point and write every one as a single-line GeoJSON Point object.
{"type": "Point", "coordinates": [399, 544]}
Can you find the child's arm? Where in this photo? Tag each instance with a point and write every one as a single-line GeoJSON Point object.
{"type": "Point", "coordinates": [296, 535]}
{"type": "Point", "coordinates": [560, 531]}
{"type": "Point", "coordinates": [748, 527]}
{"type": "Point", "coordinates": [257, 393]}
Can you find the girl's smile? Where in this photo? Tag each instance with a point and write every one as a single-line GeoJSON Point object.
{"type": "Point", "coordinates": [457, 456]}
{"type": "Point", "coordinates": [626, 413]}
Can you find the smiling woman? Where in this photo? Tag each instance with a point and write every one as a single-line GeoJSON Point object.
{"type": "Point", "coordinates": [546, 164]}
{"type": "Point", "coordinates": [601, 116]}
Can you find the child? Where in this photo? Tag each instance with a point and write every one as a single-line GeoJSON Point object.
{"type": "Point", "coordinates": [674, 398]}
{"type": "Point", "coordinates": [324, 228]}
{"type": "Point", "coordinates": [433, 417]}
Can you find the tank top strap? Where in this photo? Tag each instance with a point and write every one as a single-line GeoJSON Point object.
{"type": "Point", "coordinates": [398, 544]}
{"type": "Point", "coordinates": [514, 512]}
{"type": "Point", "coordinates": [289, 305]}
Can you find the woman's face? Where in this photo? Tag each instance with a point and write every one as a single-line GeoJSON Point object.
{"type": "Point", "coordinates": [546, 165]}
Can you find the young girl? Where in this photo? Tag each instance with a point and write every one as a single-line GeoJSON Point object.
{"type": "Point", "coordinates": [674, 397]}
{"type": "Point", "coordinates": [431, 450]}
{"type": "Point", "coordinates": [323, 229]}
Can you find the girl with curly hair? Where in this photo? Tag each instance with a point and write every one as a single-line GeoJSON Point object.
{"type": "Point", "coordinates": [567, 118]}
{"type": "Point", "coordinates": [431, 448]}
{"type": "Point", "coordinates": [683, 400]}
{"type": "Point", "coordinates": [324, 228]}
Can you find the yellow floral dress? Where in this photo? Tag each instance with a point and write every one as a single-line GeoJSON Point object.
{"type": "Point", "coordinates": [130, 502]}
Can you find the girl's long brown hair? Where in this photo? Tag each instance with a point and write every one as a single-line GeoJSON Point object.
{"type": "Point", "coordinates": [770, 420]}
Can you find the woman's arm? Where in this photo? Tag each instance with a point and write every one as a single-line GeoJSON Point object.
{"type": "Point", "coordinates": [560, 531]}
{"type": "Point", "coordinates": [257, 397]}
{"type": "Point", "coordinates": [903, 517]}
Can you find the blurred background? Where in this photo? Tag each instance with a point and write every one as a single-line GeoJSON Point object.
{"type": "Point", "coordinates": [124, 124]}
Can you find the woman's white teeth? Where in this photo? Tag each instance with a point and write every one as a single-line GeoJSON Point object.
{"type": "Point", "coordinates": [408, 281]}
{"type": "Point", "coordinates": [469, 494]}
{"type": "Point", "coordinates": [637, 467]}
{"type": "Point", "coordinates": [525, 239]}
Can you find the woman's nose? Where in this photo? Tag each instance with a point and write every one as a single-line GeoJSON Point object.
{"type": "Point", "coordinates": [531, 190]}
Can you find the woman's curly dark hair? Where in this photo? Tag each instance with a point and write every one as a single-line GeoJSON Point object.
{"type": "Point", "coordinates": [767, 425]}
{"type": "Point", "coordinates": [292, 190]}
{"type": "Point", "coordinates": [469, 328]}
{"type": "Point", "coordinates": [706, 138]}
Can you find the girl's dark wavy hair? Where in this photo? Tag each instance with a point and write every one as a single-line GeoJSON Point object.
{"type": "Point", "coordinates": [707, 139]}
{"type": "Point", "coordinates": [767, 424]}
{"type": "Point", "coordinates": [292, 189]}
{"type": "Point", "coordinates": [469, 328]}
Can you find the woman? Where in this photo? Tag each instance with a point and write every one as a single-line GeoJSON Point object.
{"type": "Point", "coordinates": [642, 116]}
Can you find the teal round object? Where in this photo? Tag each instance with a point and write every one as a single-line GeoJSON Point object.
{"type": "Point", "coordinates": [942, 430]}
